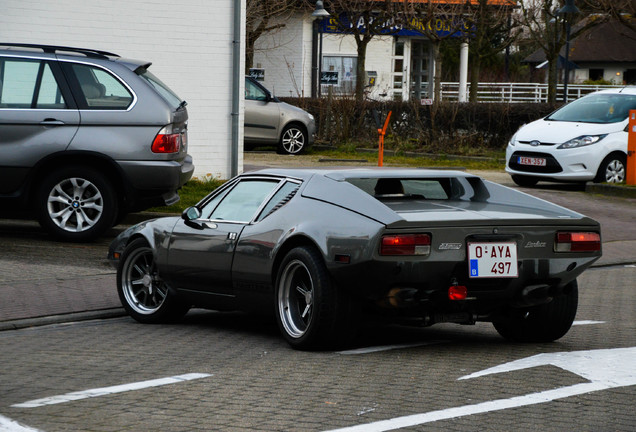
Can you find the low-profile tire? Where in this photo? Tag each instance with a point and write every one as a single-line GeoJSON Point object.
{"type": "Point", "coordinates": [524, 181]}
{"type": "Point", "coordinates": [144, 295]}
{"type": "Point", "coordinates": [293, 140]}
{"type": "Point", "coordinates": [311, 311]}
{"type": "Point", "coordinates": [543, 323]}
{"type": "Point", "coordinates": [612, 169]}
{"type": "Point", "coordinates": [76, 204]}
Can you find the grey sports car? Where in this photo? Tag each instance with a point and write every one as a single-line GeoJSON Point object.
{"type": "Point", "coordinates": [320, 248]}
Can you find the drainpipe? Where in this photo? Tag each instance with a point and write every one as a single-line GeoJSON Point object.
{"type": "Point", "coordinates": [237, 76]}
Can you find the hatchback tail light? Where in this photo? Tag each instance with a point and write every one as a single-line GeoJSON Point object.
{"type": "Point", "coordinates": [406, 244]}
{"type": "Point", "coordinates": [166, 142]}
{"type": "Point", "coordinates": [577, 242]}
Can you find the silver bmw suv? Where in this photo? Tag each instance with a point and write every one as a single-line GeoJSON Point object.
{"type": "Point", "coordinates": [86, 137]}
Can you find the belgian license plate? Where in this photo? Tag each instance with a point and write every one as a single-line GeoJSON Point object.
{"type": "Point", "coordinates": [531, 161]}
{"type": "Point", "coordinates": [492, 260]}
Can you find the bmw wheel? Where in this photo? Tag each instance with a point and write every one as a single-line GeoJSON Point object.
{"type": "Point", "coordinates": [76, 204]}
{"type": "Point", "coordinates": [142, 292]}
{"type": "Point", "coordinates": [292, 140]}
{"type": "Point", "coordinates": [312, 313]}
{"type": "Point", "coordinates": [542, 323]}
{"type": "Point", "coordinates": [612, 169]}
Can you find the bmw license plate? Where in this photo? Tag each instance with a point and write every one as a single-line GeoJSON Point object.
{"type": "Point", "coordinates": [491, 260]}
{"type": "Point", "coordinates": [521, 160]}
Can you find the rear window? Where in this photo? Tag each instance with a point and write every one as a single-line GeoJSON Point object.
{"type": "Point", "coordinates": [160, 87]}
{"type": "Point", "coordinates": [400, 188]}
{"type": "Point", "coordinates": [597, 108]}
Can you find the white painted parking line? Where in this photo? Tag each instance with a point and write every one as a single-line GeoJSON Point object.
{"type": "Point", "coordinates": [597, 366]}
{"type": "Point", "coordinates": [587, 322]}
{"type": "Point", "coordinates": [8, 425]}
{"type": "Point", "coordinates": [368, 350]}
{"type": "Point", "coordinates": [104, 391]}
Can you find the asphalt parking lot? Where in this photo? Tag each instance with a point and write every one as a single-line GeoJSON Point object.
{"type": "Point", "coordinates": [233, 372]}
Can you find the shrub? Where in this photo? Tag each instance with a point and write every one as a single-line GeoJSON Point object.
{"type": "Point", "coordinates": [446, 127]}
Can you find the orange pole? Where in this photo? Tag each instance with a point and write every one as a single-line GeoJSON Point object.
{"type": "Point", "coordinates": [630, 178]}
{"type": "Point", "coordinates": [382, 133]}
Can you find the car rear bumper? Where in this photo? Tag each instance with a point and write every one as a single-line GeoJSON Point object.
{"type": "Point", "coordinates": [155, 183]}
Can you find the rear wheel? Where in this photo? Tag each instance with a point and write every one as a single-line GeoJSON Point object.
{"type": "Point", "coordinates": [312, 313]}
{"type": "Point", "coordinates": [142, 292]}
{"type": "Point", "coordinates": [76, 204]}
{"type": "Point", "coordinates": [293, 140]}
{"type": "Point", "coordinates": [524, 181]}
{"type": "Point", "coordinates": [543, 323]}
{"type": "Point", "coordinates": [612, 169]}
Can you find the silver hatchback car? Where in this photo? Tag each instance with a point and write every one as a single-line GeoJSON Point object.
{"type": "Point", "coordinates": [270, 121]}
{"type": "Point", "coordinates": [86, 137]}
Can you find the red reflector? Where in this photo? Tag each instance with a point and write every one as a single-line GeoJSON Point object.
{"type": "Point", "coordinates": [577, 242]}
{"type": "Point", "coordinates": [166, 143]}
{"type": "Point", "coordinates": [457, 292]}
{"type": "Point", "coordinates": [406, 244]}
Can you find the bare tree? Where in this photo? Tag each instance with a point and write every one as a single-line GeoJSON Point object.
{"type": "Point", "coordinates": [364, 19]}
{"type": "Point", "coordinates": [493, 29]}
{"type": "Point", "coordinates": [548, 29]}
{"type": "Point", "coordinates": [264, 16]}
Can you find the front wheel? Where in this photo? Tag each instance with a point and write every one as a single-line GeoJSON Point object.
{"type": "Point", "coordinates": [142, 292]}
{"type": "Point", "coordinates": [312, 313]}
{"type": "Point", "coordinates": [524, 181]}
{"type": "Point", "coordinates": [293, 140]}
{"type": "Point", "coordinates": [76, 204]}
{"type": "Point", "coordinates": [612, 169]}
{"type": "Point", "coordinates": [544, 323]}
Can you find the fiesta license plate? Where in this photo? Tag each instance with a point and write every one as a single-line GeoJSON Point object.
{"type": "Point", "coordinates": [492, 260]}
{"type": "Point", "coordinates": [532, 161]}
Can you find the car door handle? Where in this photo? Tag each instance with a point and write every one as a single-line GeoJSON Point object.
{"type": "Point", "coordinates": [52, 122]}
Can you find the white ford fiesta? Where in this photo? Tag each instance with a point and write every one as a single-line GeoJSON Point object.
{"type": "Point", "coordinates": [584, 140]}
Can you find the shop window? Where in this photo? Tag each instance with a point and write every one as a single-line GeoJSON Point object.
{"type": "Point", "coordinates": [346, 68]}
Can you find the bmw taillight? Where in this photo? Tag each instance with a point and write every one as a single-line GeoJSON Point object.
{"type": "Point", "coordinates": [406, 244]}
{"type": "Point", "coordinates": [577, 242]}
{"type": "Point", "coordinates": [166, 142]}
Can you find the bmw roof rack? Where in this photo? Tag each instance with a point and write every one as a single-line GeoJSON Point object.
{"type": "Point", "coordinates": [55, 48]}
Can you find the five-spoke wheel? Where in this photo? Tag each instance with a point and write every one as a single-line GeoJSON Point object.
{"type": "Point", "coordinates": [142, 292]}
{"type": "Point", "coordinates": [293, 140]}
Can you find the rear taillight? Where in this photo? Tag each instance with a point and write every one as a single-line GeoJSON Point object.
{"type": "Point", "coordinates": [166, 142]}
{"type": "Point", "coordinates": [406, 244]}
{"type": "Point", "coordinates": [577, 242]}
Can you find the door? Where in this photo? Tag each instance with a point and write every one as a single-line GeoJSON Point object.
{"type": "Point", "coordinates": [262, 115]}
{"type": "Point", "coordinates": [421, 72]}
{"type": "Point", "coordinates": [201, 250]}
{"type": "Point", "coordinates": [38, 117]}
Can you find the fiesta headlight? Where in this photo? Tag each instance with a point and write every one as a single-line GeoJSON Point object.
{"type": "Point", "coordinates": [582, 141]}
{"type": "Point", "coordinates": [513, 140]}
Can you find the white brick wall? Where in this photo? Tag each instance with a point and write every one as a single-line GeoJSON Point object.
{"type": "Point", "coordinates": [189, 43]}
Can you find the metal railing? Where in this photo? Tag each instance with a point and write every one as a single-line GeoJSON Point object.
{"type": "Point", "coordinates": [520, 92]}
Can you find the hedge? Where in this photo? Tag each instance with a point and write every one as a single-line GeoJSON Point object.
{"type": "Point", "coordinates": [446, 127]}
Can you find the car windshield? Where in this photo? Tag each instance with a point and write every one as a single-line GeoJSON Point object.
{"type": "Point", "coordinates": [161, 88]}
{"type": "Point", "coordinates": [596, 108]}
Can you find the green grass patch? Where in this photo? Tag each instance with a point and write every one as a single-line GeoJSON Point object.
{"type": "Point", "coordinates": [191, 193]}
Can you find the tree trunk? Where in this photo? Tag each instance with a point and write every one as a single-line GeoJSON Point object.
{"type": "Point", "coordinates": [437, 72]}
{"type": "Point", "coordinates": [360, 69]}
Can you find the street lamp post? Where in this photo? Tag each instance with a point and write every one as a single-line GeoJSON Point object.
{"type": "Point", "coordinates": [567, 11]}
{"type": "Point", "coordinates": [319, 15]}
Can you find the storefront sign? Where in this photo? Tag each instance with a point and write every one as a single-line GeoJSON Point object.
{"type": "Point", "coordinates": [258, 74]}
{"type": "Point", "coordinates": [441, 26]}
{"type": "Point", "coordinates": [329, 77]}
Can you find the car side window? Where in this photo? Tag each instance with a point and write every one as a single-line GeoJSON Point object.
{"type": "Point", "coordinates": [101, 90]}
{"type": "Point", "coordinates": [26, 83]}
{"type": "Point", "coordinates": [254, 92]}
{"type": "Point", "coordinates": [242, 202]}
{"type": "Point", "coordinates": [280, 198]}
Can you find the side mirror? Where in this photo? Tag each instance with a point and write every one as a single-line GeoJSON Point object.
{"type": "Point", "coordinates": [190, 214]}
